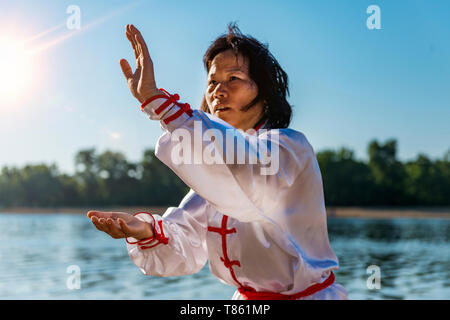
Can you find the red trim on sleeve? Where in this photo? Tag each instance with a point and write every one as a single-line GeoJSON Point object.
{"type": "Point", "coordinates": [176, 115]}
{"type": "Point", "coordinates": [161, 108]}
{"type": "Point", "coordinates": [184, 107]}
{"type": "Point", "coordinates": [160, 237]}
{"type": "Point", "coordinates": [170, 99]}
{"type": "Point", "coordinates": [146, 102]}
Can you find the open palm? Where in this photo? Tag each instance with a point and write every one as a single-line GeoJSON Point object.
{"type": "Point", "coordinates": [120, 225]}
{"type": "Point", "coordinates": [141, 82]}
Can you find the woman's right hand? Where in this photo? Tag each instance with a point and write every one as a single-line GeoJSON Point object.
{"type": "Point", "coordinates": [121, 225]}
{"type": "Point", "coordinates": [142, 82]}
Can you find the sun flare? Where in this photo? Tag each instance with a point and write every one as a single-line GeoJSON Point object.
{"type": "Point", "coordinates": [15, 70]}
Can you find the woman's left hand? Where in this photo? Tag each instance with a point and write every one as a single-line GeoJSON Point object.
{"type": "Point", "coordinates": [121, 225]}
{"type": "Point", "coordinates": [142, 82]}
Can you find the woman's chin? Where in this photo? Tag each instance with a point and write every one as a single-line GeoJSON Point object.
{"type": "Point", "coordinates": [227, 117]}
{"type": "Point", "coordinates": [222, 115]}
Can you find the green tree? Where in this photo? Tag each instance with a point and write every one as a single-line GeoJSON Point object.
{"type": "Point", "coordinates": [33, 185]}
{"type": "Point", "coordinates": [91, 189]}
{"type": "Point", "coordinates": [160, 185]}
{"type": "Point", "coordinates": [346, 181]}
{"type": "Point", "coordinates": [119, 178]}
{"type": "Point", "coordinates": [388, 172]}
{"type": "Point", "coordinates": [109, 179]}
{"type": "Point", "coordinates": [70, 191]}
{"type": "Point", "coordinates": [428, 182]}
{"type": "Point", "coordinates": [11, 193]}
{"type": "Point", "coordinates": [40, 185]}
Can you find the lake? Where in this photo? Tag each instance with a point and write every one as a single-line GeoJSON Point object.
{"type": "Point", "coordinates": [38, 252]}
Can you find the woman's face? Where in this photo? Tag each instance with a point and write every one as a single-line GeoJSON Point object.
{"type": "Point", "coordinates": [230, 88]}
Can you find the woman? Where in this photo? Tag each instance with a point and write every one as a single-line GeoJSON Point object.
{"type": "Point", "coordinates": [262, 232]}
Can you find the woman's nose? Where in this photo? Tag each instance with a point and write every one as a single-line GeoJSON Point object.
{"type": "Point", "coordinates": [220, 90]}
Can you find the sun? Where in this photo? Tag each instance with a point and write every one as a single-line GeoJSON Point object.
{"type": "Point", "coordinates": [15, 70]}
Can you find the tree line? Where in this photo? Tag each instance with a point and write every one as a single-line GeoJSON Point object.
{"type": "Point", "coordinates": [109, 179]}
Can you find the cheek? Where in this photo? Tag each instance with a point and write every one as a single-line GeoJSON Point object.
{"type": "Point", "coordinates": [207, 95]}
{"type": "Point", "coordinates": [249, 89]}
{"type": "Point", "coordinates": [208, 100]}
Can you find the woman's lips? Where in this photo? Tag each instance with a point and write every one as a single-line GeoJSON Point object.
{"type": "Point", "coordinates": [222, 109]}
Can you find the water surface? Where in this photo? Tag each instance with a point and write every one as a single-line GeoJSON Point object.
{"type": "Point", "coordinates": [37, 249]}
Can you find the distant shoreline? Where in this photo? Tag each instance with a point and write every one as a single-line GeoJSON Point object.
{"type": "Point", "coordinates": [389, 212]}
{"type": "Point", "coordinates": [332, 212]}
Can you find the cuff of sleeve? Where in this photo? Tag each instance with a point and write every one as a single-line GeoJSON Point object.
{"type": "Point", "coordinates": [174, 118]}
{"type": "Point", "coordinates": [158, 108]}
{"type": "Point", "coordinates": [165, 107]}
{"type": "Point", "coordinates": [158, 232]}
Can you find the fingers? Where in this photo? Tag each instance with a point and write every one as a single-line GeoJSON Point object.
{"type": "Point", "coordinates": [114, 229]}
{"type": "Point", "coordinates": [125, 228]}
{"type": "Point", "coordinates": [101, 214]}
{"type": "Point", "coordinates": [104, 221]}
{"type": "Point", "coordinates": [132, 40]}
{"type": "Point", "coordinates": [108, 226]}
{"type": "Point", "coordinates": [126, 69]}
{"type": "Point", "coordinates": [96, 214]}
{"type": "Point", "coordinates": [142, 47]}
{"type": "Point", "coordinates": [115, 224]}
{"type": "Point", "coordinates": [137, 40]}
{"type": "Point", "coordinates": [99, 225]}
{"type": "Point", "coordinates": [138, 45]}
{"type": "Point", "coordinates": [105, 214]}
{"type": "Point", "coordinates": [131, 35]}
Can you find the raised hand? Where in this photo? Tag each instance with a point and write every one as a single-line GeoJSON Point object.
{"type": "Point", "coordinates": [121, 225]}
{"type": "Point", "coordinates": [142, 81]}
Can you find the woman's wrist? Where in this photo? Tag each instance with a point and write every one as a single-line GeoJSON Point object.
{"type": "Point", "coordinates": [151, 234]}
{"type": "Point", "coordinates": [149, 95]}
{"type": "Point", "coordinates": [147, 233]}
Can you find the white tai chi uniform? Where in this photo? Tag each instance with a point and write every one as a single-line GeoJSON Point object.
{"type": "Point", "coordinates": [260, 233]}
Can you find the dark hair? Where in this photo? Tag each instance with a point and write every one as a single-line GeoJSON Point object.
{"type": "Point", "coordinates": [264, 70]}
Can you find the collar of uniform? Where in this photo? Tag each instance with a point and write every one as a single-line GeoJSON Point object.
{"type": "Point", "coordinates": [260, 125]}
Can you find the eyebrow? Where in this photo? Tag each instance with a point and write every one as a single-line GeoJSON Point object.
{"type": "Point", "coordinates": [229, 71]}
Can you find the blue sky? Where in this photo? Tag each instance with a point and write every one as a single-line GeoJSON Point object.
{"type": "Point", "coordinates": [349, 85]}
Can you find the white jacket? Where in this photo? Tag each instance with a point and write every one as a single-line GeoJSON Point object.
{"type": "Point", "coordinates": [267, 232]}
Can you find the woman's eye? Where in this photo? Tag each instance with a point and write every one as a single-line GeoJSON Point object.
{"type": "Point", "coordinates": [233, 78]}
{"type": "Point", "coordinates": [212, 82]}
